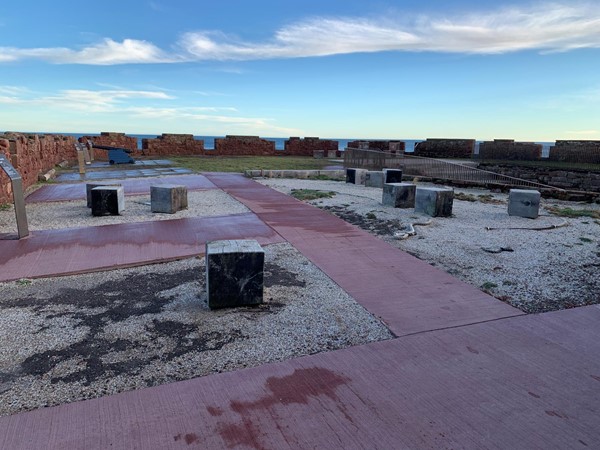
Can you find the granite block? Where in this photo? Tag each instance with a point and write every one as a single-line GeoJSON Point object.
{"type": "Point", "coordinates": [399, 195]}
{"type": "Point", "coordinates": [90, 186]}
{"type": "Point", "coordinates": [392, 175]}
{"type": "Point", "coordinates": [356, 176]}
{"type": "Point", "coordinates": [524, 203]}
{"type": "Point", "coordinates": [435, 202]}
{"type": "Point", "coordinates": [108, 200]}
{"type": "Point", "coordinates": [168, 198]}
{"type": "Point", "coordinates": [374, 179]}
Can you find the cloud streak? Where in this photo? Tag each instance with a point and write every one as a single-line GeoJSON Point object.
{"type": "Point", "coordinates": [546, 27]}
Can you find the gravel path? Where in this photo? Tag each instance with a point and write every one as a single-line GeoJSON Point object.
{"type": "Point", "coordinates": [537, 271]}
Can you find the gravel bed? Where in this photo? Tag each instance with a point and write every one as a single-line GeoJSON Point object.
{"type": "Point", "coordinates": [535, 271]}
{"type": "Point", "coordinates": [71, 338]}
{"type": "Point", "coordinates": [72, 214]}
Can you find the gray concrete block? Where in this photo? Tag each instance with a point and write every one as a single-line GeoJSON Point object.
{"type": "Point", "coordinates": [433, 201]}
{"type": "Point", "coordinates": [90, 186]}
{"type": "Point", "coordinates": [356, 176]}
{"type": "Point", "coordinates": [374, 179]}
{"type": "Point", "coordinates": [524, 203]}
{"type": "Point", "coordinates": [399, 195]}
{"type": "Point", "coordinates": [318, 154]}
{"type": "Point", "coordinates": [168, 198]}
{"type": "Point", "coordinates": [331, 154]}
{"type": "Point", "coordinates": [108, 200]}
{"type": "Point", "coordinates": [392, 175]}
{"type": "Point", "coordinates": [234, 273]}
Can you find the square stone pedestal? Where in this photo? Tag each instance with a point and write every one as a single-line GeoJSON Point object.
{"type": "Point", "coordinates": [374, 179]}
{"type": "Point", "coordinates": [524, 203]}
{"type": "Point", "coordinates": [399, 195]}
{"type": "Point", "coordinates": [168, 198]}
{"type": "Point", "coordinates": [234, 273]}
{"type": "Point", "coordinates": [392, 175]}
{"type": "Point", "coordinates": [90, 186]}
{"type": "Point", "coordinates": [435, 202]}
{"type": "Point", "coordinates": [356, 176]}
{"type": "Point", "coordinates": [108, 200]}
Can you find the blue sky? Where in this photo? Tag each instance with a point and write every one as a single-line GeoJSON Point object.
{"type": "Point", "coordinates": [378, 69]}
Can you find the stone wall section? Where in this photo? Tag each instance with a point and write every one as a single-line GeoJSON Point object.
{"type": "Point", "coordinates": [575, 180]}
{"type": "Point", "coordinates": [445, 148]}
{"type": "Point", "coordinates": [508, 149]}
{"type": "Point", "coordinates": [232, 145]}
{"type": "Point", "coordinates": [306, 147]}
{"type": "Point", "coordinates": [396, 147]}
{"type": "Point", "coordinates": [172, 144]}
{"type": "Point", "coordinates": [32, 155]}
{"type": "Point", "coordinates": [586, 152]}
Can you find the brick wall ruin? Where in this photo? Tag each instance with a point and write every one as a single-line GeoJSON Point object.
{"type": "Point", "coordinates": [243, 145]}
{"type": "Point", "coordinates": [396, 147]}
{"type": "Point", "coordinates": [307, 146]}
{"type": "Point", "coordinates": [586, 152]}
{"type": "Point", "coordinates": [32, 155]}
{"type": "Point", "coordinates": [445, 148]}
{"type": "Point", "coordinates": [508, 149]}
{"type": "Point", "coordinates": [172, 144]}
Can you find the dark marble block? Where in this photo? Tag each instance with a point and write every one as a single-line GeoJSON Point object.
{"type": "Point", "coordinates": [90, 186]}
{"type": "Point", "coordinates": [167, 198]}
{"type": "Point", "coordinates": [356, 176]}
{"type": "Point", "coordinates": [234, 273]}
{"type": "Point", "coordinates": [399, 195]}
{"type": "Point", "coordinates": [435, 202]}
{"type": "Point", "coordinates": [392, 175]}
{"type": "Point", "coordinates": [108, 200]}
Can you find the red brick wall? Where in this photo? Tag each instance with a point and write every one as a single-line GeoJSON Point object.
{"type": "Point", "coordinates": [32, 155]}
{"type": "Point", "coordinates": [112, 140]}
{"type": "Point", "coordinates": [587, 152]}
{"type": "Point", "coordinates": [508, 149]}
{"type": "Point", "coordinates": [172, 144]}
{"type": "Point", "coordinates": [307, 146]}
{"type": "Point", "coordinates": [243, 145]}
{"type": "Point", "coordinates": [445, 148]}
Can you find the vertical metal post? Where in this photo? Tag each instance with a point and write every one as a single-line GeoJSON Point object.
{"type": "Point", "coordinates": [18, 197]}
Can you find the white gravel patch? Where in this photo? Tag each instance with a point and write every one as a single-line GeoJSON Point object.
{"type": "Point", "coordinates": [73, 214]}
{"type": "Point", "coordinates": [546, 270]}
{"type": "Point", "coordinates": [70, 338]}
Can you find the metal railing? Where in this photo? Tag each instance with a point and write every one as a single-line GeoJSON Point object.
{"type": "Point", "coordinates": [432, 168]}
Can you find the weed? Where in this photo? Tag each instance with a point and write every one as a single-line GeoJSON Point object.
{"type": "Point", "coordinates": [573, 213]}
{"type": "Point", "coordinates": [5, 206]}
{"type": "Point", "coordinates": [23, 282]}
{"type": "Point", "coordinates": [371, 216]}
{"type": "Point", "coordinates": [584, 239]}
{"type": "Point", "coordinates": [488, 285]}
{"type": "Point", "coordinates": [464, 197]}
{"type": "Point", "coordinates": [310, 194]}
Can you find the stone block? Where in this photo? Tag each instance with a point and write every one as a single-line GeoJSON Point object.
{"type": "Point", "coordinates": [399, 195]}
{"type": "Point", "coordinates": [90, 186]}
{"type": "Point", "coordinates": [524, 203]}
{"type": "Point", "coordinates": [108, 200]}
{"type": "Point", "coordinates": [356, 176]}
{"type": "Point", "coordinates": [374, 179]}
{"type": "Point", "coordinates": [168, 198]}
{"type": "Point", "coordinates": [433, 201]}
{"type": "Point", "coordinates": [234, 273]}
{"type": "Point", "coordinates": [318, 154]}
{"type": "Point", "coordinates": [392, 175]}
{"type": "Point", "coordinates": [332, 153]}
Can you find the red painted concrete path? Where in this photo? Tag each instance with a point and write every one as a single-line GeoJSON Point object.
{"type": "Point", "coordinates": [524, 383]}
{"type": "Point", "coordinates": [408, 294]}
{"type": "Point", "coordinates": [463, 374]}
{"type": "Point", "coordinates": [80, 250]}
{"type": "Point", "coordinates": [137, 186]}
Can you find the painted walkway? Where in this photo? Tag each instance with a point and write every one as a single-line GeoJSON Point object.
{"type": "Point", "coordinates": [467, 371]}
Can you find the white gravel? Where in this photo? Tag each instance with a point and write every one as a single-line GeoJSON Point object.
{"type": "Point", "coordinates": [69, 338]}
{"type": "Point", "coordinates": [547, 270]}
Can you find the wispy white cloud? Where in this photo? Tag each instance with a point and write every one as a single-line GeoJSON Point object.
{"type": "Point", "coordinates": [545, 27]}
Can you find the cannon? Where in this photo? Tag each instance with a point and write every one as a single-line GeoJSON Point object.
{"type": "Point", "coordinates": [117, 155]}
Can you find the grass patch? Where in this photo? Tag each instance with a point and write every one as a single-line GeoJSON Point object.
{"type": "Point", "coordinates": [310, 194]}
{"type": "Point", "coordinates": [465, 197]}
{"type": "Point", "coordinates": [548, 164]}
{"type": "Point", "coordinates": [5, 206]}
{"type": "Point", "coordinates": [488, 285]}
{"type": "Point", "coordinates": [584, 239]}
{"type": "Point", "coordinates": [371, 216]}
{"type": "Point", "coordinates": [242, 163]}
{"type": "Point", "coordinates": [573, 213]}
